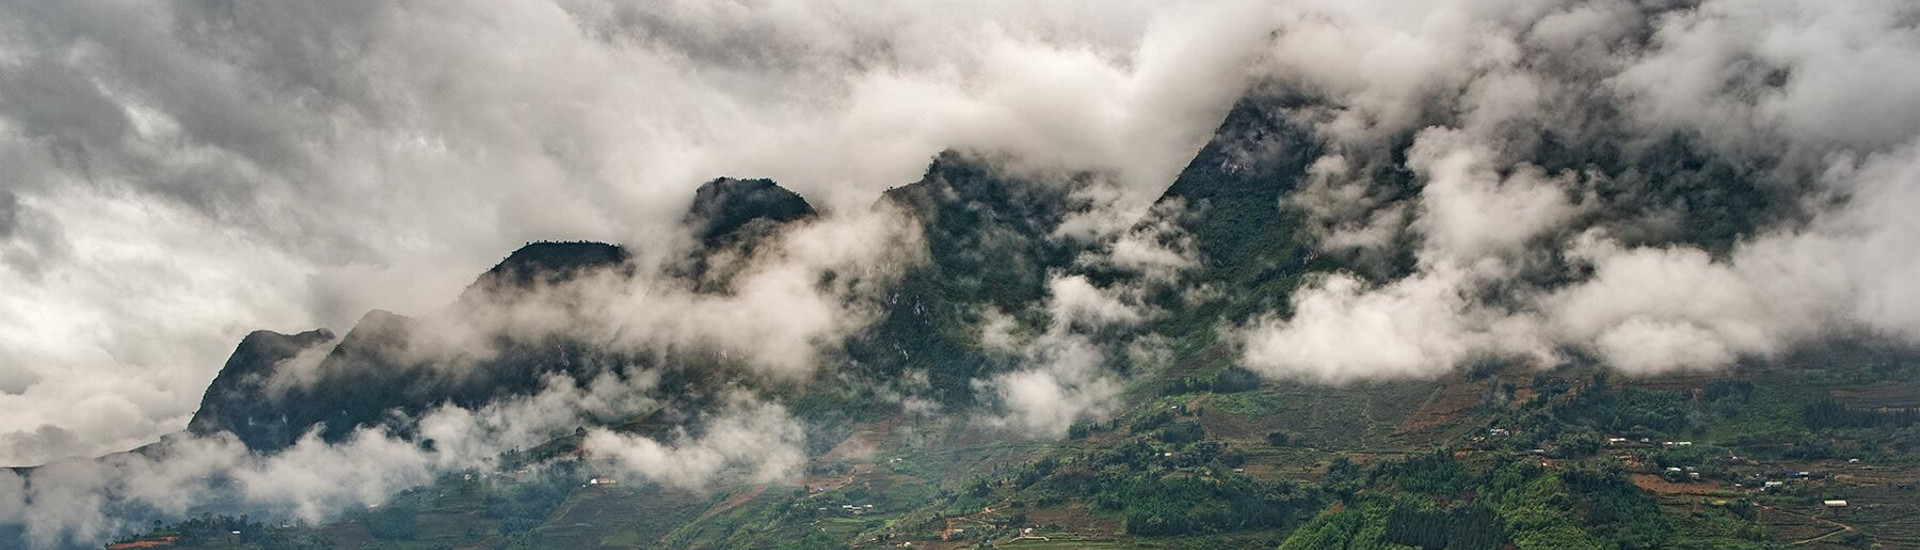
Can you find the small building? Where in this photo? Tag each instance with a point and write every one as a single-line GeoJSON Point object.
{"type": "Point", "coordinates": [160, 542]}
{"type": "Point", "coordinates": [1835, 503]}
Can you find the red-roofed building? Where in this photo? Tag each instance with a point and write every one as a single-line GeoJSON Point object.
{"type": "Point", "coordinates": [161, 542]}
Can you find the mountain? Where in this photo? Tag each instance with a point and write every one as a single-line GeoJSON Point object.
{"type": "Point", "coordinates": [988, 246]}
{"type": "Point", "coordinates": [380, 370]}
{"type": "Point", "coordinates": [906, 443]}
{"type": "Point", "coordinates": [728, 210]}
{"type": "Point", "coordinates": [547, 263]}
{"type": "Point", "coordinates": [243, 380]}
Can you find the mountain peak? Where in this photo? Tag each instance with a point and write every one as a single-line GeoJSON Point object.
{"type": "Point", "coordinates": [243, 377]}
{"type": "Point", "coordinates": [725, 208]}
{"type": "Point", "coordinates": [550, 261]}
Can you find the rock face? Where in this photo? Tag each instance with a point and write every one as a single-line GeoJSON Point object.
{"type": "Point", "coordinates": [728, 220]}
{"type": "Point", "coordinates": [229, 401]}
{"type": "Point", "coordinates": [728, 210]}
{"type": "Point", "coordinates": [549, 262]}
{"type": "Point", "coordinates": [1230, 199]}
{"type": "Point", "coordinates": [989, 244]}
{"type": "Point", "coordinates": [376, 369]}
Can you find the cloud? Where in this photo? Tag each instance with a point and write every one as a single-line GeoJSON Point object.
{"type": "Point", "coordinates": [799, 294]}
{"type": "Point", "coordinates": [1421, 326]}
{"type": "Point", "coordinates": [179, 174]}
{"type": "Point", "coordinates": [1789, 74]}
{"type": "Point", "coordinates": [1344, 211]}
{"type": "Point", "coordinates": [1637, 292]}
{"type": "Point", "coordinates": [1642, 346]}
{"type": "Point", "coordinates": [1468, 212]}
{"type": "Point", "coordinates": [182, 173]}
{"type": "Point", "coordinates": [1066, 374]}
{"type": "Point", "coordinates": [1066, 382]}
{"type": "Point", "coordinates": [755, 442]}
{"type": "Point", "coordinates": [13, 497]}
{"type": "Point", "coordinates": [1153, 245]}
{"type": "Point", "coordinates": [1841, 275]}
{"type": "Point", "coordinates": [82, 502]}
{"type": "Point", "coordinates": [1477, 85]}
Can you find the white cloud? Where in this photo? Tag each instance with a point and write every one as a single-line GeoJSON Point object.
{"type": "Point", "coordinates": [1065, 374]}
{"type": "Point", "coordinates": [185, 172]}
{"type": "Point", "coordinates": [1468, 212]}
{"type": "Point", "coordinates": [754, 442]}
{"type": "Point", "coordinates": [1789, 74]}
{"type": "Point", "coordinates": [1344, 212]}
{"type": "Point", "coordinates": [1763, 82]}
{"type": "Point", "coordinates": [82, 502]}
{"type": "Point", "coordinates": [1421, 326]}
{"type": "Point", "coordinates": [1642, 346]}
{"type": "Point", "coordinates": [1843, 273]}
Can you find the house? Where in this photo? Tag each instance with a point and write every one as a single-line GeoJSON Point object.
{"type": "Point", "coordinates": [601, 480]}
{"type": "Point", "coordinates": [1835, 503]}
{"type": "Point", "coordinates": [1773, 485]}
{"type": "Point", "coordinates": [160, 542]}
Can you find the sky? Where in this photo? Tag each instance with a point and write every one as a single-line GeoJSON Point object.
{"type": "Point", "coordinates": [176, 174]}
